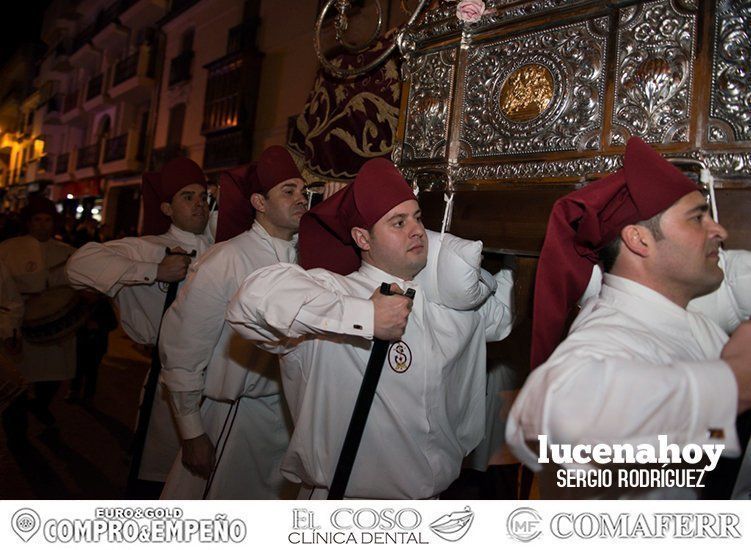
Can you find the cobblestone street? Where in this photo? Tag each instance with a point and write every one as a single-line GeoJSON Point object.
{"type": "Point", "coordinates": [85, 455]}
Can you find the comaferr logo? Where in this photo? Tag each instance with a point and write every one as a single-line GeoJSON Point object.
{"type": "Point", "coordinates": [692, 525]}
{"type": "Point", "coordinates": [523, 524]}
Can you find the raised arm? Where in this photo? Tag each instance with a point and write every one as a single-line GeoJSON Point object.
{"type": "Point", "coordinates": [108, 267]}
{"type": "Point", "coordinates": [583, 398]}
{"type": "Point", "coordinates": [278, 305]}
{"type": "Point", "coordinates": [498, 310]}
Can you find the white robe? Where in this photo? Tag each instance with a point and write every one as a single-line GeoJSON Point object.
{"type": "Point", "coordinates": [202, 355]}
{"type": "Point", "coordinates": [34, 267]}
{"type": "Point", "coordinates": [634, 366]}
{"type": "Point", "coordinates": [423, 421]}
{"type": "Point", "coordinates": [126, 270]}
{"type": "Point", "coordinates": [728, 306]}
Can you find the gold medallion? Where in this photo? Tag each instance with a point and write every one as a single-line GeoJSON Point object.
{"type": "Point", "coordinates": [526, 93]}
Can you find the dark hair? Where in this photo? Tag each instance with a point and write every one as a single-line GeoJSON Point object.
{"type": "Point", "coordinates": [608, 254]}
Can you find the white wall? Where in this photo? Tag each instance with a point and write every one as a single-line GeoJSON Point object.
{"type": "Point", "coordinates": [288, 68]}
{"type": "Point", "coordinates": [290, 64]}
{"type": "Point", "coordinates": [211, 20]}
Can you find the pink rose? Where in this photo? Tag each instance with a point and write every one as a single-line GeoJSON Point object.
{"type": "Point", "coordinates": [470, 11]}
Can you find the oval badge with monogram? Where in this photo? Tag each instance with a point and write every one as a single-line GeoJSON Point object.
{"type": "Point", "coordinates": [400, 356]}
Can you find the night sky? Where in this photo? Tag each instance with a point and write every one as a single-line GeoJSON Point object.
{"type": "Point", "coordinates": [22, 24]}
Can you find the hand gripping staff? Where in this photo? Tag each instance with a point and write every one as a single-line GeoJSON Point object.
{"type": "Point", "coordinates": [361, 410]}
{"type": "Point", "coordinates": [149, 391]}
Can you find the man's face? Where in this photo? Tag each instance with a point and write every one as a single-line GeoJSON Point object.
{"type": "Point", "coordinates": [397, 243]}
{"type": "Point", "coordinates": [188, 209]}
{"type": "Point", "coordinates": [687, 257]}
{"type": "Point", "coordinates": [41, 227]}
{"type": "Point", "coordinates": [282, 208]}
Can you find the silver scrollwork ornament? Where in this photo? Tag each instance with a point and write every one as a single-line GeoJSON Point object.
{"type": "Point", "coordinates": [341, 24]}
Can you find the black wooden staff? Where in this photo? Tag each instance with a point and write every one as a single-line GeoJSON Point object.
{"type": "Point", "coordinates": [361, 410]}
{"type": "Point", "coordinates": [149, 392]}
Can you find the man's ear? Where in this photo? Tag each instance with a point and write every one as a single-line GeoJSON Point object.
{"type": "Point", "coordinates": [361, 237]}
{"type": "Point", "coordinates": [637, 239]}
{"type": "Point", "coordinates": [166, 209]}
{"type": "Point", "coordinates": [258, 202]}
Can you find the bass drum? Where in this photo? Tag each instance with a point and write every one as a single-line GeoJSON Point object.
{"type": "Point", "coordinates": [52, 315]}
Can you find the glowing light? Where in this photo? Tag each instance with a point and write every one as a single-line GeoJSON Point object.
{"type": "Point", "coordinates": [95, 210]}
{"type": "Point", "coordinates": [79, 209]}
{"type": "Point", "coordinates": [69, 196]}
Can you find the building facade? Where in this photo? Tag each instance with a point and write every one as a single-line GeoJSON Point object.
{"type": "Point", "coordinates": [124, 85]}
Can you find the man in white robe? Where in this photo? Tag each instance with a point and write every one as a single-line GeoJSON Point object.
{"type": "Point", "coordinates": [136, 272]}
{"type": "Point", "coordinates": [35, 262]}
{"type": "Point", "coordinates": [428, 411]}
{"type": "Point", "coordinates": [636, 364]}
{"type": "Point", "coordinates": [233, 442]}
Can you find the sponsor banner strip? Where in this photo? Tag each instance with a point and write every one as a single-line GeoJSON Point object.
{"type": "Point", "coordinates": [434, 524]}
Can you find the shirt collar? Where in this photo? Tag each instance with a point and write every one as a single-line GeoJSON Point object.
{"type": "Point", "coordinates": [643, 302]}
{"type": "Point", "coordinates": [185, 237]}
{"type": "Point", "coordinates": [286, 251]}
{"type": "Point", "coordinates": [378, 275]}
{"type": "Point", "coordinates": [261, 230]}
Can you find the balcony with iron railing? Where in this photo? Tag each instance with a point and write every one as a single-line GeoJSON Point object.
{"type": "Point", "coordinates": [161, 155]}
{"type": "Point", "coordinates": [225, 149]}
{"type": "Point", "coordinates": [84, 37]}
{"type": "Point", "coordinates": [70, 102]}
{"type": "Point", "coordinates": [179, 70]}
{"type": "Point", "coordinates": [141, 13]}
{"type": "Point", "coordinates": [133, 76]}
{"type": "Point", "coordinates": [88, 157]}
{"type": "Point", "coordinates": [55, 104]}
{"type": "Point", "coordinates": [72, 108]}
{"type": "Point", "coordinates": [176, 8]}
{"type": "Point", "coordinates": [114, 148]}
{"type": "Point", "coordinates": [95, 87]}
{"type": "Point", "coordinates": [106, 16]}
{"type": "Point", "coordinates": [123, 154]}
{"type": "Point", "coordinates": [43, 164]}
{"type": "Point", "coordinates": [125, 69]}
{"type": "Point", "coordinates": [61, 163]}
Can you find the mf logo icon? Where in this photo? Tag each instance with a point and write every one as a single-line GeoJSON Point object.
{"type": "Point", "coordinates": [523, 524]}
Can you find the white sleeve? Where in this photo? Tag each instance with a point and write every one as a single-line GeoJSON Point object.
{"type": "Point", "coordinates": [730, 304]}
{"type": "Point", "coordinates": [11, 304]}
{"type": "Point", "coordinates": [107, 267]}
{"type": "Point", "coordinates": [738, 279]}
{"type": "Point", "coordinates": [277, 305]}
{"type": "Point", "coordinates": [498, 309]}
{"type": "Point", "coordinates": [190, 331]}
{"type": "Point", "coordinates": [576, 398]}
{"type": "Point", "coordinates": [186, 410]}
{"type": "Point", "coordinates": [210, 230]}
